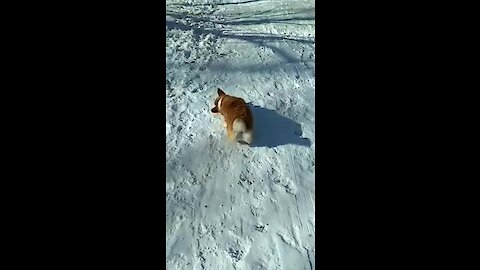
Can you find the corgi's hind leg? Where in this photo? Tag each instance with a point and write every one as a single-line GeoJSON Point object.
{"type": "Point", "coordinates": [241, 131]}
{"type": "Point", "coordinates": [230, 133]}
{"type": "Point", "coordinates": [238, 128]}
{"type": "Point", "coordinates": [248, 136]}
{"type": "Point", "coordinates": [238, 125]}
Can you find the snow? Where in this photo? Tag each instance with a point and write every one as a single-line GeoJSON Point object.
{"type": "Point", "coordinates": [231, 206]}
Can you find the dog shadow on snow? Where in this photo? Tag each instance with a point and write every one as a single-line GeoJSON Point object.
{"type": "Point", "coordinates": [272, 129]}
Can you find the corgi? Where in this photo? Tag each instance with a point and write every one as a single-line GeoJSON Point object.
{"type": "Point", "coordinates": [237, 115]}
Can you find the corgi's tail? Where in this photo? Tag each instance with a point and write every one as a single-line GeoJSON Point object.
{"type": "Point", "coordinates": [240, 130]}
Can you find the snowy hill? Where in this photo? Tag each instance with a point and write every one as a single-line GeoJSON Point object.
{"type": "Point", "coordinates": [231, 206]}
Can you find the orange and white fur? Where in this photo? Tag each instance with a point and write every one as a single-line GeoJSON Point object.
{"type": "Point", "coordinates": [237, 116]}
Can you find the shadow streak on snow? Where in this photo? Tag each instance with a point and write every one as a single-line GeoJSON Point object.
{"type": "Point", "coordinates": [261, 37]}
{"type": "Point", "coordinates": [207, 24]}
{"type": "Point", "coordinates": [258, 39]}
{"type": "Point", "coordinates": [264, 21]}
{"type": "Point", "coordinates": [272, 129]}
{"type": "Point", "coordinates": [218, 4]}
{"type": "Point", "coordinates": [240, 20]}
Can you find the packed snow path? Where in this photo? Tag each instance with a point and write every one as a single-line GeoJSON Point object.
{"type": "Point", "coordinates": [231, 206]}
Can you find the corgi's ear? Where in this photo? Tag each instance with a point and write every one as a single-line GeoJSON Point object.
{"type": "Point", "coordinates": [220, 92]}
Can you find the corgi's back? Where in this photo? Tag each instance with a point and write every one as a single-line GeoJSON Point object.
{"type": "Point", "coordinates": [233, 108]}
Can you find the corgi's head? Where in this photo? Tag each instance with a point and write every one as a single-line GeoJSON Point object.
{"type": "Point", "coordinates": [218, 101]}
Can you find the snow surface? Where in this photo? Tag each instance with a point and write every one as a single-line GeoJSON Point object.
{"type": "Point", "coordinates": [231, 206]}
